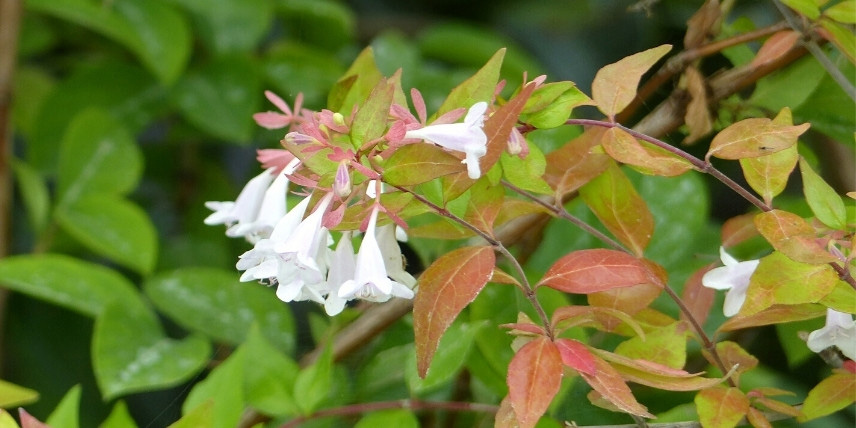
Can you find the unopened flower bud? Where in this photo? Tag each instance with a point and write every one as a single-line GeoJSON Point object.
{"type": "Point", "coordinates": [342, 182]}
{"type": "Point", "coordinates": [298, 138]}
{"type": "Point", "coordinates": [517, 144]}
{"type": "Point", "coordinates": [338, 119]}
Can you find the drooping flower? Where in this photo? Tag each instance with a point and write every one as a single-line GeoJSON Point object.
{"type": "Point", "coordinates": [262, 262]}
{"type": "Point", "coordinates": [341, 270]}
{"type": "Point", "coordinates": [245, 208]}
{"type": "Point", "coordinates": [839, 331]}
{"type": "Point", "coordinates": [387, 239]}
{"type": "Point", "coordinates": [301, 271]}
{"type": "Point", "coordinates": [733, 276]}
{"type": "Point", "coordinates": [371, 281]}
{"type": "Point", "coordinates": [467, 137]}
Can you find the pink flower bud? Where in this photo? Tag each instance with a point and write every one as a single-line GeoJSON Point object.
{"type": "Point", "coordinates": [517, 144]}
{"type": "Point", "coordinates": [342, 182]}
{"type": "Point", "coordinates": [298, 138]}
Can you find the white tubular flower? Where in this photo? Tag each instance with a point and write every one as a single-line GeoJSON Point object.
{"type": "Point", "coordinates": [839, 331]}
{"type": "Point", "coordinates": [245, 208]}
{"type": "Point", "coordinates": [272, 209]}
{"type": "Point", "coordinates": [392, 259]}
{"type": "Point", "coordinates": [262, 262]}
{"type": "Point", "coordinates": [342, 268]}
{"type": "Point", "coordinates": [300, 274]}
{"type": "Point", "coordinates": [371, 281]}
{"type": "Point", "coordinates": [467, 137]}
{"type": "Point", "coordinates": [733, 276]}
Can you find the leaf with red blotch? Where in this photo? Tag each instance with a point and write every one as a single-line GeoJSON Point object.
{"type": "Point", "coordinates": [721, 407]}
{"type": "Point", "coordinates": [657, 375]}
{"type": "Point", "coordinates": [776, 45]}
{"type": "Point", "coordinates": [791, 235]}
{"type": "Point", "coordinates": [418, 163]}
{"type": "Point", "coordinates": [566, 317]}
{"type": "Point", "coordinates": [642, 156]}
{"type": "Point", "coordinates": [754, 137]}
{"type": "Point", "coordinates": [780, 280]}
{"type": "Point", "coordinates": [450, 284]}
{"type": "Point", "coordinates": [830, 395]}
{"type": "Point", "coordinates": [738, 229]}
{"type": "Point", "coordinates": [777, 314]}
{"type": "Point", "coordinates": [576, 356]}
{"type": "Point", "coordinates": [575, 164]}
{"type": "Point", "coordinates": [498, 126]}
{"type": "Point", "coordinates": [593, 270]}
{"type": "Point", "coordinates": [614, 85]}
{"type": "Point", "coordinates": [619, 207]}
{"type": "Point", "coordinates": [534, 378]}
{"type": "Point", "coordinates": [611, 386]}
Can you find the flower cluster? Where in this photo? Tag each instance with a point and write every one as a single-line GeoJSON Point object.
{"type": "Point", "coordinates": [307, 252]}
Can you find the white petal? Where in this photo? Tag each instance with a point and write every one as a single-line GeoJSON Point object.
{"type": "Point", "coordinates": [734, 300]}
{"type": "Point", "coordinates": [727, 260]}
{"type": "Point", "coordinates": [475, 116]}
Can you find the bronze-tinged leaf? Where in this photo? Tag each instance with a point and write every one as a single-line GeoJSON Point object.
{"type": "Point", "coordinates": [566, 317]}
{"type": "Point", "coordinates": [513, 208]}
{"type": "Point", "coordinates": [498, 126]}
{"type": "Point", "coordinates": [455, 185]}
{"type": "Point", "coordinates": [484, 204]}
{"type": "Point", "coordinates": [754, 137]}
{"type": "Point", "coordinates": [721, 407]}
{"type": "Point", "coordinates": [703, 24]}
{"type": "Point", "coordinates": [774, 47]}
{"type": "Point", "coordinates": [418, 163]}
{"type": "Point", "coordinates": [830, 395]}
{"type": "Point", "coordinates": [778, 406]}
{"type": "Point", "coordinates": [576, 356]}
{"type": "Point", "coordinates": [733, 357]}
{"type": "Point", "coordinates": [629, 300]}
{"type": "Point", "coordinates": [440, 229]}
{"type": "Point", "coordinates": [793, 236]}
{"type": "Point", "coordinates": [534, 378]}
{"type": "Point", "coordinates": [643, 156]}
{"type": "Point", "coordinates": [697, 116]}
{"type": "Point", "coordinates": [665, 345]}
{"type": "Point", "coordinates": [738, 229]}
{"type": "Point", "coordinates": [589, 271]}
{"type": "Point", "coordinates": [778, 314]}
{"type": "Point", "coordinates": [657, 375]}
{"type": "Point", "coordinates": [370, 120]}
{"type": "Point", "coordinates": [501, 277]}
{"type": "Point", "coordinates": [445, 288]}
{"type": "Point", "coordinates": [574, 164]}
{"type": "Point", "coordinates": [619, 207]}
{"type": "Point", "coordinates": [519, 328]}
{"type": "Point", "coordinates": [608, 383]}
{"type": "Point", "coordinates": [768, 175]}
{"type": "Point", "coordinates": [780, 280]}
{"type": "Point", "coordinates": [614, 85]}
{"type": "Point", "coordinates": [505, 417]}
{"type": "Point", "coordinates": [698, 298]}
{"type": "Point", "coordinates": [757, 418]}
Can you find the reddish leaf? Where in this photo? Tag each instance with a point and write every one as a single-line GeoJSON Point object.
{"type": "Point", "coordinates": [830, 395]}
{"type": "Point", "coordinates": [778, 406]}
{"type": "Point", "coordinates": [589, 271]}
{"type": "Point", "coordinates": [757, 418]}
{"type": "Point", "coordinates": [534, 378]}
{"type": "Point", "coordinates": [768, 175]}
{"type": "Point", "coordinates": [776, 45]}
{"type": "Point", "coordinates": [484, 204]}
{"type": "Point", "coordinates": [754, 137]}
{"type": "Point", "coordinates": [505, 417]}
{"type": "Point", "coordinates": [738, 229]}
{"type": "Point", "coordinates": [574, 164]}
{"type": "Point", "coordinates": [733, 357]}
{"type": "Point", "coordinates": [614, 85]}
{"type": "Point", "coordinates": [629, 300]}
{"type": "Point", "coordinates": [780, 280]}
{"type": "Point", "coordinates": [498, 126]}
{"type": "Point", "coordinates": [29, 421]}
{"type": "Point", "coordinates": [418, 163]}
{"type": "Point", "coordinates": [576, 356]}
{"type": "Point", "coordinates": [619, 207]}
{"type": "Point", "coordinates": [793, 236]}
{"type": "Point", "coordinates": [566, 317]}
{"type": "Point", "coordinates": [698, 298]}
{"type": "Point", "coordinates": [657, 375]}
{"type": "Point", "coordinates": [721, 407]}
{"type": "Point", "coordinates": [524, 327]}
{"type": "Point", "coordinates": [445, 288]}
{"type": "Point", "coordinates": [645, 157]}
{"type": "Point", "coordinates": [697, 116]}
{"type": "Point", "coordinates": [778, 314]}
{"type": "Point", "coordinates": [609, 384]}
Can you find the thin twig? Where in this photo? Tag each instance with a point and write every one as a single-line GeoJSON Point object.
{"type": "Point", "coordinates": [356, 409]}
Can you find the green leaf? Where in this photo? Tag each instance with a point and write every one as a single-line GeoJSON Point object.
{"type": "Point", "coordinates": [327, 24]}
{"type": "Point", "coordinates": [34, 192]}
{"type": "Point", "coordinates": [293, 68]}
{"type": "Point", "coordinates": [38, 84]}
{"type": "Point", "coordinates": [825, 203]}
{"type": "Point", "coordinates": [113, 227]}
{"type": "Point", "coordinates": [788, 87]}
{"type": "Point", "coordinates": [130, 352]}
{"type": "Point", "coordinates": [221, 97]}
{"type": "Point", "coordinates": [355, 85]}
{"type": "Point", "coordinates": [806, 7]}
{"type": "Point", "coordinates": [780, 280]}
{"type": "Point", "coordinates": [81, 286]}
{"type": "Point", "coordinates": [389, 418]}
{"type": "Point", "coordinates": [66, 413]}
{"type": "Point", "coordinates": [419, 163]}
{"type": "Point", "coordinates": [314, 383]}
{"type": "Point", "coordinates": [830, 395]}
{"type": "Point", "coordinates": [200, 416]}
{"type": "Point", "coordinates": [12, 395]}
{"type": "Point", "coordinates": [269, 376]}
{"type": "Point", "coordinates": [451, 354]}
{"type": "Point", "coordinates": [829, 109]}
{"type": "Point", "coordinates": [526, 173]}
{"type": "Point", "coordinates": [843, 12]}
{"type": "Point", "coordinates": [721, 407]}
{"type": "Point", "coordinates": [665, 345]}
{"type": "Point", "coordinates": [214, 302]}
{"type": "Point", "coordinates": [97, 156]}
{"type": "Point", "coordinates": [842, 37]}
{"type": "Point", "coordinates": [153, 31]}
{"type": "Point", "coordinates": [6, 420]}
{"type": "Point", "coordinates": [479, 87]}
{"type": "Point", "coordinates": [221, 388]}
{"type": "Point", "coordinates": [768, 175]}
{"type": "Point", "coordinates": [126, 92]}
{"type": "Point", "coordinates": [371, 119]}
{"type": "Point", "coordinates": [119, 417]}
{"type": "Point", "coordinates": [229, 26]}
